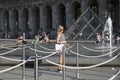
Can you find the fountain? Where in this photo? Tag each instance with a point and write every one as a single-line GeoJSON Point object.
{"type": "Point", "coordinates": [107, 35]}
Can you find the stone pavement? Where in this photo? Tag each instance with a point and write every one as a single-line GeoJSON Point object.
{"type": "Point", "coordinates": [50, 73]}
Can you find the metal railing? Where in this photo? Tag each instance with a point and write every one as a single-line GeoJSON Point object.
{"type": "Point", "coordinates": [77, 53]}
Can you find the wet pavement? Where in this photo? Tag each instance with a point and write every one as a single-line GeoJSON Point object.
{"type": "Point", "coordinates": [50, 72]}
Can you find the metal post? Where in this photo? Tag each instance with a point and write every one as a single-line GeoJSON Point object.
{"type": "Point", "coordinates": [23, 67]}
{"type": "Point", "coordinates": [77, 62]}
{"type": "Point", "coordinates": [64, 50]}
{"type": "Point", "coordinates": [110, 35]}
{"type": "Point", "coordinates": [36, 64]}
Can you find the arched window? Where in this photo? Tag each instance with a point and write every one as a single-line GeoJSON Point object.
{"type": "Point", "coordinates": [6, 22]}
{"type": "Point", "coordinates": [76, 10]}
{"type": "Point", "coordinates": [26, 20]}
{"type": "Point", "coordinates": [61, 12]}
{"type": "Point", "coordinates": [93, 4]}
{"type": "Point", "coordinates": [36, 14]}
{"type": "Point", "coordinates": [112, 9]}
{"type": "Point", "coordinates": [16, 22]}
{"type": "Point", "coordinates": [49, 17]}
{"type": "Point", "coordinates": [94, 7]}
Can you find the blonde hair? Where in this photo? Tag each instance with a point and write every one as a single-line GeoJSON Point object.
{"type": "Point", "coordinates": [59, 28]}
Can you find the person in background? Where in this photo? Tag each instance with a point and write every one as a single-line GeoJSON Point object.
{"type": "Point", "coordinates": [116, 38]}
{"type": "Point", "coordinates": [81, 35]}
{"type": "Point", "coordinates": [37, 38]}
{"type": "Point", "coordinates": [41, 34]}
{"type": "Point", "coordinates": [19, 40]}
{"type": "Point", "coordinates": [24, 36]}
{"type": "Point", "coordinates": [107, 37]}
{"type": "Point", "coordinates": [46, 39]}
{"type": "Point", "coordinates": [98, 38]}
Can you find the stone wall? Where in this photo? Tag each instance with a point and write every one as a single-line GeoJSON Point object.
{"type": "Point", "coordinates": [31, 16]}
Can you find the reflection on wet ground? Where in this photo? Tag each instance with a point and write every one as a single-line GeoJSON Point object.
{"type": "Point", "coordinates": [49, 72]}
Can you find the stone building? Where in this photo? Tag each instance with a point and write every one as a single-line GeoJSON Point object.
{"type": "Point", "coordinates": [30, 16]}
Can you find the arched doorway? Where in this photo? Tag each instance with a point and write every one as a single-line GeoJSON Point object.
{"type": "Point", "coordinates": [16, 21]}
{"type": "Point", "coordinates": [76, 10]}
{"type": "Point", "coordinates": [25, 20]}
{"type": "Point", "coordinates": [61, 18]}
{"type": "Point", "coordinates": [112, 9]}
{"type": "Point", "coordinates": [36, 14]}
{"type": "Point", "coordinates": [94, 6]}
{"type": "Point", "coordinates": [94, 21]}
{"type": "Point", "coordinates": [6, 22]}
{"type": "Point", "coordinates": [48, 11]}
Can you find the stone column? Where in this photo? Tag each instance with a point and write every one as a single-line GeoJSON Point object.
{"type": "Point", "coordinates": [83, 6]}
{"type": "Point", "coordinates": [2, 24]}
{"type": "Point", "coordinates": [119, 17]}
{"type": "Point", "coordinates": [1, 19]}
{"type": "Point", "coordinates": [21, 26]}
{"type": "Point", "coordinates": [68, 16]}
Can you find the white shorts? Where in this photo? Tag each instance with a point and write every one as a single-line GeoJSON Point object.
{"type": "Point", "coordinates": [59, 47]}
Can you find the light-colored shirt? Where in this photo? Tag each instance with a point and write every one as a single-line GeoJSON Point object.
{"type": "Point", "coordinates": [62, 38]}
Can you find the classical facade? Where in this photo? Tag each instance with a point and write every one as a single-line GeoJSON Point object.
{"type": "Point", "coordinates": [30, 16]}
